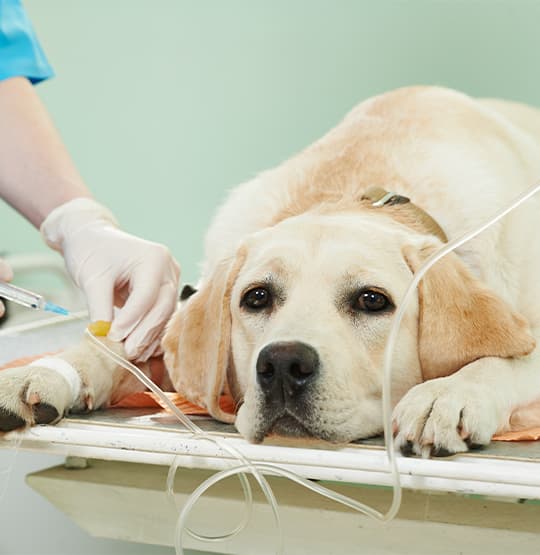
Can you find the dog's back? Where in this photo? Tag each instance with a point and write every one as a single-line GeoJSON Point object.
{"type": "Point", "coordinates": [523, 117]}
{"type": "Point", "coordinates": [459, 158]}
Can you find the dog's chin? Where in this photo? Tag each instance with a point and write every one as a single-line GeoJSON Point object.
{"type": "Point", "coordinates": [284, 426]}
{"type": "Point", "coordinates": [289, 430]}
{"type": "Point", "coordinates": [289, 426]}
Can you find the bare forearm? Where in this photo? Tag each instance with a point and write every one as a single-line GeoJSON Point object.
{"type": "Point", "coordinates": [36, 171]}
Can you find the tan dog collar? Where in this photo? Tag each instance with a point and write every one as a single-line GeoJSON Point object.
{"type": "Point", "coordinates": [404, 211]}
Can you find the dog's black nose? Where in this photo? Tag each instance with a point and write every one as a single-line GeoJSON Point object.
{"type": "Point", "coordinates": [285, 368]}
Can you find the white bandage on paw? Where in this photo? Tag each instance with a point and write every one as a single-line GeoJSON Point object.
{"type": "Point", "coordinates": [65, 369]}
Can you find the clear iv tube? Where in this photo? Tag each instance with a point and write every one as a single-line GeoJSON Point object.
{"type": "Point", "coordinates": [198, 432]}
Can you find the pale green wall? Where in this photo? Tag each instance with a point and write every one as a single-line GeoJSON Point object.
{"type": "Point", "coordinates": [165, 104]}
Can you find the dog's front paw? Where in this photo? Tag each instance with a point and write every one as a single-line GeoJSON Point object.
{"type": "Point", "coordinates": [442, 417]}
{"type": "Point", "coordinates": [32, 395]}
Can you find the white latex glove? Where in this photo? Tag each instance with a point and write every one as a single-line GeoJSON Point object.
{"type": "Point", "coordinates": [5, 275]}
{"type": "Point", "coordinates": [111, 266]}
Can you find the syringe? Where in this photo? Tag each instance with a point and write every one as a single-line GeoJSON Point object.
{"type": "Point", "coordinates": [27, 298]}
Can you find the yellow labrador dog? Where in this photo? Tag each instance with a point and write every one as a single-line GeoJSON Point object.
{"type": "Point", "coordinates": [306, 264]}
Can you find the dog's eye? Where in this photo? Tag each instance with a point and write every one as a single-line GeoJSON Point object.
{"type": "Point", "coordinates": [257, 298]}
{"type": "Point", "coordinates": [370, 300]}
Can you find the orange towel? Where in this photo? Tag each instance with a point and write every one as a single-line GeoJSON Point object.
{"type": "Point", "coordinates": [147, 399]}
{"type": "Point", "coordinates": [523, 421]}
{"type": "Point", "coordinates": [531, 434]}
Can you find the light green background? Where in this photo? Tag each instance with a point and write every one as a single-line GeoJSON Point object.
{"type": "Point", "coordinates": [166, 104]}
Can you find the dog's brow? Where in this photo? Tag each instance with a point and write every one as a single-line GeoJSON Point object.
{"type": "Point", "coordinates": [269, 269]}
{"type": "Point", "coordinates": [361, 279]}
{"type": "Point", "coordinates": [268, 279]}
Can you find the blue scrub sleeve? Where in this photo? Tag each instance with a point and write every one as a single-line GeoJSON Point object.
{"type": "Point", "coordinates": [20, 52]}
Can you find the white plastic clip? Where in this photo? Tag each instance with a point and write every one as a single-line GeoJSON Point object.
{"type": "Point", "coordinates": [384, 199]}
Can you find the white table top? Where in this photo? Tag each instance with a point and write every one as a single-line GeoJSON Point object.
{"type": "Point", "coordinates": [508, 470]}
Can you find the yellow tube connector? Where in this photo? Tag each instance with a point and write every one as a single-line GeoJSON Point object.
{"type": "Point", "coordinates": [100, 328]}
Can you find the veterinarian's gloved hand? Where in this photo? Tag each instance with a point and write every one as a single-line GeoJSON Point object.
{"type": "Point", "coordinates": [114, 268]}
{"type": "Point", "coordinates": [5, 275]}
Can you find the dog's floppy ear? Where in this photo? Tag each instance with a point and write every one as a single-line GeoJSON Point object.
{"type": "Point", "coordinates": [460, 319]}
{"type": "Point", "coordinates": [197, 341]}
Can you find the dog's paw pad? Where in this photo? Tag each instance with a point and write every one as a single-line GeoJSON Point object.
{"type": "Point", "coordinates": [32, 395]}
{"type": "Point", "coordinates": [10, 421]}
{"type": "Point", "coordinates": [407, 449]}
{"type": "Point", "coordinates": [45, 413]}
{"type": "Point", "coordinates": [441, 452]}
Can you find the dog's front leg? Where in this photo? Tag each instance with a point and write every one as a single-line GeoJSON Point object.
{"type": "Point", "coordinates": [453, 414]}
{"type": "Point", "coordinates": [79, 379]}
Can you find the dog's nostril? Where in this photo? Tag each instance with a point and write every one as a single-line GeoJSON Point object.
{"type": "Point", "coordinates": [267, 368]}
{"type": "Point", "coordinates": [265, 372]}
{"type": "Point", "coordinates": [300, 371]}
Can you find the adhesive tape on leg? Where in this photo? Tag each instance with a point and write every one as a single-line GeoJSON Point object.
{"type": "Point", "coordinates": [65, 369]}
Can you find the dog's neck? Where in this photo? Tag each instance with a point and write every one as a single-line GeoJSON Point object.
{"type": "Point", "coordinates": [401, 209]}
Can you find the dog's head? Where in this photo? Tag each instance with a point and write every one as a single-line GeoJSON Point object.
{"type": "Point", "coordinates": [295, 324]}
